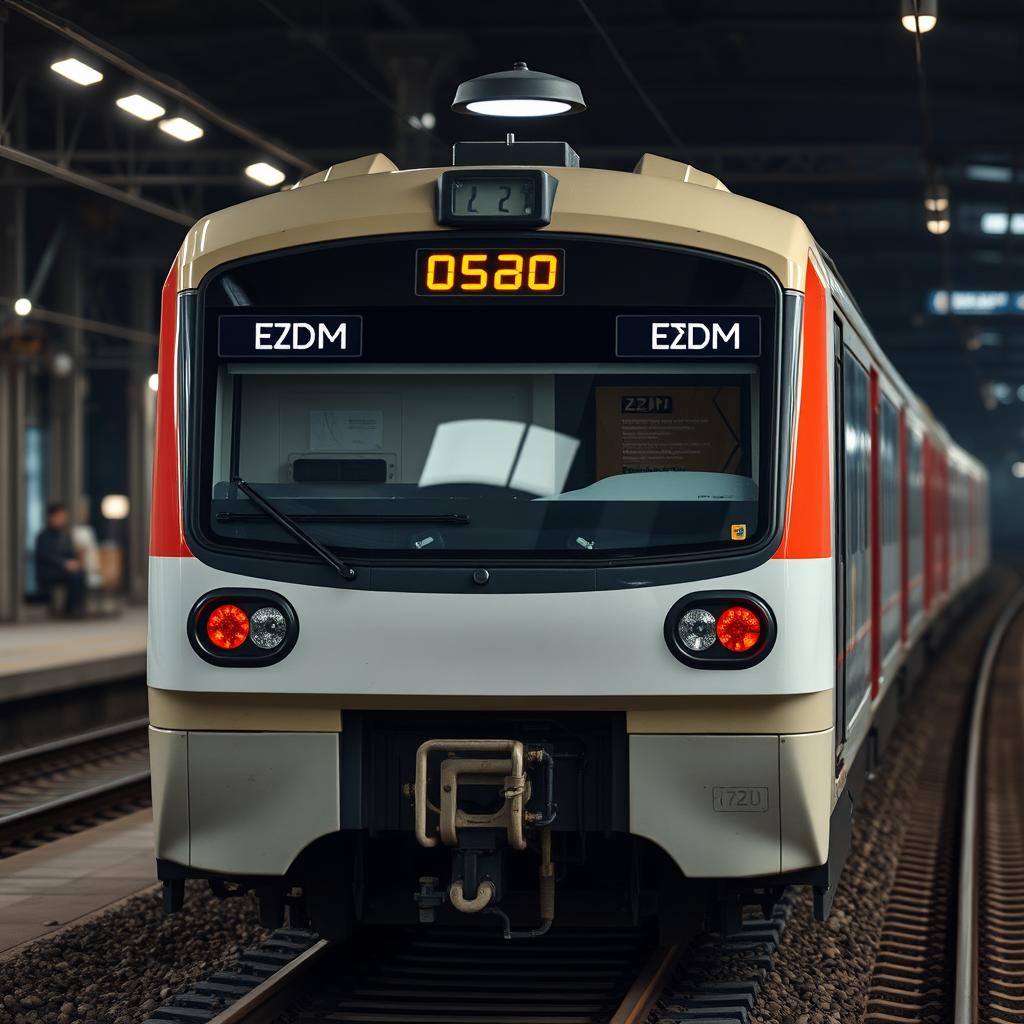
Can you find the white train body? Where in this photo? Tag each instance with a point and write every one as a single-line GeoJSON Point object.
{"type": "Point", "coordinates": [530, 498]}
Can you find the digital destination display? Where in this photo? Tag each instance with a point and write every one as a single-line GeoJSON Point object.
{"type": "Point", "coordinates": [682, 335]}
{"type": "Point", "coordinates": [309, 337]}
{"type": "Point", "coordinates": [490, 272]}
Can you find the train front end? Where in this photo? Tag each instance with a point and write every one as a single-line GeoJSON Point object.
{"type": "Point", "coordinates": [491, 552]}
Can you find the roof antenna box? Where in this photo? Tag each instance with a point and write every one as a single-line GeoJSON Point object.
{"type": "Point", "coordinates": [510, 152]}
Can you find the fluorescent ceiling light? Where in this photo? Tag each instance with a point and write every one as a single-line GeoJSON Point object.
{"type": "Point", "coordinates": [265, 174]}
{"type": "Point", "coordinates": [140, 107]}
{"type": "Point", "coordinates": [996, 222]}
{"type": "Point", "coordinates": [518, 108]}
{"type": "Point", "coordinates": [181, 128]}
{"type": "Point", "coordinates": [988, 172]}
{"type": "Point", "coordinates": [77, 71]}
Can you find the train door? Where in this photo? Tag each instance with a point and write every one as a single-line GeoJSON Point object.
{"type": "Point", "coordinates": [838, 475]}
{"type": "Point", "coordinates": [855, 449]}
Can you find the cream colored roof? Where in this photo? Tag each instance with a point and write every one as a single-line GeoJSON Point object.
{"type": "Point", "coordinates": [665, 201]}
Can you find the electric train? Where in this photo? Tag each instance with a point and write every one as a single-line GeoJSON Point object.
{"type": "Point", "coordinates": [530, 543]}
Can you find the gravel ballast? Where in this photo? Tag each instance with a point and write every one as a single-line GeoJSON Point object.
{"type": "Point", "coordinates": [117, 967]}
{"type": "Point", "coordinates": [822, 972]}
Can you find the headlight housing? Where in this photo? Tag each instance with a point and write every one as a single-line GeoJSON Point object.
{"type": "Point", "coordinates": [242, 627]}
{"type": "Point", "coordinates": [720, 629]}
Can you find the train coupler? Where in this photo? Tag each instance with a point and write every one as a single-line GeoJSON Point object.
{"type": "Point", "coordinates": [481, 811]}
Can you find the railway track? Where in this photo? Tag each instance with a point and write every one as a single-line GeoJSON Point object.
{"type": "Point", "coordinates": [951, 946]}
{"type": "Point", "coordinates": [990, 913]}
{"type": "Point", "coordinates": [451, 976]}
{"type": "Point", "coordinates": [67, 784]}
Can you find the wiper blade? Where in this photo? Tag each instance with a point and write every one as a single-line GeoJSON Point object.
{"type": "Point", "coordinates": [279, 517]}
{"type": "Point", "coordinates": [443, 518]}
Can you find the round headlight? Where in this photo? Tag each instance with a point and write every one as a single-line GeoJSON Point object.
{"type": "Point", "coordinates": [227, 627]}
{"type": "Point", "coordinates": [738, 628]}
{"type": "Point", "coordinates": [697, 629]}
{"type": "Point", "coordinates": [268, 628]}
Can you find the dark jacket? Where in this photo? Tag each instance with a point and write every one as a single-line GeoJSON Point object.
{"type": "Point", "coordinates": [52, 551]}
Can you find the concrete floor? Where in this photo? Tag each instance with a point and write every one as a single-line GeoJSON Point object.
{"type": "Point", "coordinates": [72, 878]}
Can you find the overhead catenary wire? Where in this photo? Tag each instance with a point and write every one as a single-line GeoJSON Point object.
{"type": "Point", "coordinates": [347, 69]}
{"type": "Point", "coordinates": [630, 77]}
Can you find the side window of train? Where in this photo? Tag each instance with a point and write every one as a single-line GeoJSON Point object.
{"type": "Point", "coordinates": [889, 482]}
{"type": "Point", "coordinates": [915, 527]}
{"type": "Point", "coordinates": [856, 648]}
{"type": "Point", "coordinates": [838, 476]}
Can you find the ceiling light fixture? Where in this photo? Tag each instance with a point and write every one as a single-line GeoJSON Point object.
{"type": "Point", "coordinates": [265, 174]}
{"type": "Point", "coordinates": [141, 107]}
{"type": "Point", "coordinates": [77, 71]}
{"type": "Point", "coordinates": [181, 128]}
{"type": "Point", "coordinates": [919, 15]}
{"type": "Point", "coordinates": [518, 93]}
{"type": "Point", "coordinates": [23, 306]}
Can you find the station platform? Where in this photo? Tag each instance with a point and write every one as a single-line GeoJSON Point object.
{"type": "Point", "coordinates": [38, 658]}
{"type": "Point", "coordinates": [70, 879]}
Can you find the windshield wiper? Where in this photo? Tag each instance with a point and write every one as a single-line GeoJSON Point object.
{"type": "Point", "coordinates": [444, 518]}
{"type": "Point", "coordinates": [279, 517]}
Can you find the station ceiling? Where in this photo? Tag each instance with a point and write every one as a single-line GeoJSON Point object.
{"type": "Point", "coordinates": [815, 107]}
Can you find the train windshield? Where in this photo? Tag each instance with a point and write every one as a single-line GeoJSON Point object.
{"type": "Point", "coordinates": [516, 429]}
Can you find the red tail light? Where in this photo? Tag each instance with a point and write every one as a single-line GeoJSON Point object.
{"type": "Point", "coordinates": [738, 629]}
{"type": "Point", "coordinates": [227, 627]}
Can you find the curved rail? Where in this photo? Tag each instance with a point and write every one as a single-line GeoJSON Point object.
{"type": "Point", "coordinates": [966, 998]}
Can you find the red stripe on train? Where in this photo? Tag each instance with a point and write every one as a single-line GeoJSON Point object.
{"type": "Point", "coordinates": [166, 536]}
{"type": "Point", "coordinates": [807, 532]}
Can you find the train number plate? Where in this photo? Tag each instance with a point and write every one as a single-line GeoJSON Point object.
{"type": "Point", "coordinates": [751, 799]}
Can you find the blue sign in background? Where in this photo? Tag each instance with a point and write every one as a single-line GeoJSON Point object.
{"type": "Point", "coordinates": [964, 302]}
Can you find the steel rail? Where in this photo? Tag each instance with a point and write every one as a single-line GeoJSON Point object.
{"type": "Point", "coordinates": [266, 1002]}
{"type": "Point", "coordinates": [70, 742]}
{"type": "Point", "coordinates": [965, 1009]}
{"type": "Point", "coordinates": [71, 799]}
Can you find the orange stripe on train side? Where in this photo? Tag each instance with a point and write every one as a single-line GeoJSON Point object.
{"type": "Point", "coordinates": [166, 535]}
{"type": "Point", "coordinates": [807, 532]}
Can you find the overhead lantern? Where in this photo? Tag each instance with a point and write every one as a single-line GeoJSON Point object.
{"type": "Point", "coordinates": [518, 93]}
{"type": "Point", "coordinates": [919, 15]}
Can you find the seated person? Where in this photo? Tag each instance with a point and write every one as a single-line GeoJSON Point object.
{"type": "Point", "coordinates": [56, 562]}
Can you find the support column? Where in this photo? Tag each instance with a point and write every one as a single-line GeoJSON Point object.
{"type": "Point", "coordinates": [12, 409]}
{"type": "Point", "coordinates": [140, 434]}
{"type": "Point", "coordinates": [67, 480]}
{"type": "Point", "coordinates": [12, 504]}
